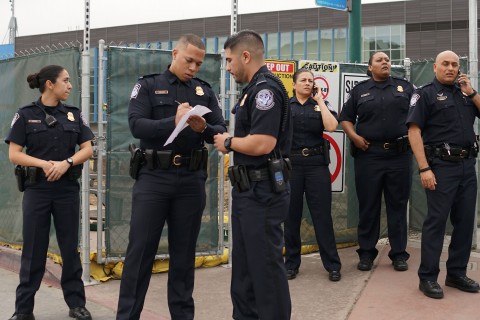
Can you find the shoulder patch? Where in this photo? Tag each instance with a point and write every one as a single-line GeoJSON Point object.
{"type": "Point", "coordinates": [28, 105]}
{"type": "Point", "coordinates": [135, 91]}
{"type": "Point", "coordinates": [264, 100]}
{"type": "Point", "coordinates": [414, 99]}
{"type": "Point", "coordinates": [84, 121]}
{"type": "Point", "coordinates": [15, 118]}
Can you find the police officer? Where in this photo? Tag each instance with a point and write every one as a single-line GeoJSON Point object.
{"type": "Point", "coordinates": [263, 133]}
{"type": "Point", "coordinates": [50, 131]}
{"type": "Point", "coordinates": [440, 130]}
{"type": "Point", "coordinates": [310, 175]}
{"type": "Point", "coordinates": [170, 186]}
{"type": "Point", "coordinates": [378, 107]}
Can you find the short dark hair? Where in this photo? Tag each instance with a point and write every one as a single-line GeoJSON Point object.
{"type": "Point", "coordinates": [192, 39]}
{"type": "Point", "coordinates": [249, 38]}
{"type": "Point", "coordinates": [50, 72]}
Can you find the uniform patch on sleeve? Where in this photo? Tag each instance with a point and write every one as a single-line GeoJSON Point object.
{"type": "Point", "coordinates": [264, 100]}
{"type": "Point", "coordinates": [15, 118]}
{"type": "Point", "coordinates": [135, 91]}
{"type": "Point", "coordinates": [84, 121]}
{"type": "Point", "coordinates": [414, 99]}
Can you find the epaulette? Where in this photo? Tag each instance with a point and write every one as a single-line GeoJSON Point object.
{"type": "Point", "coordinates": [425, 85]}
{"type": "Point", "coordinates": [28, 105]}
{"type": "Point", "coordinates": [363, 81]}
{"type": "Point", "coordinates": [149, 76]}
{"type": "Point", "coordinates": [203, 82]}
{"type": "Point", "coordinates": [260, 79]}
{"type": "Point", "coordinates": [401, 79]}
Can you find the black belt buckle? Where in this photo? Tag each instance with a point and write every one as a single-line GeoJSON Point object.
{"type": "Point", "coordinates": [386, 146]}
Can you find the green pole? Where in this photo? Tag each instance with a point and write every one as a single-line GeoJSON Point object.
{"type": "Point", "coordinates": [355, 32]}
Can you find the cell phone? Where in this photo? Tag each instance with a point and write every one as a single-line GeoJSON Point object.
{"type": "Point", "coordinates": [314, 89]}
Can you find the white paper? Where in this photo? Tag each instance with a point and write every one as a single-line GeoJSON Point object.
{"type": "Point", "coordinates": [198, 110]}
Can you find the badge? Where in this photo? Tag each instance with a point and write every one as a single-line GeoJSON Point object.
{"type": "Point", "coordinates": [135, 91]}
{"type": "Point", "coordinates": [264, 100]}
{"type": "Point", "coordinates": [441, 97]}
{"type": "Point", "coordinates": [199, 91]}
{"type": "Point", "coordinates": [70, 116]}
{"type": "Point", "coordinates": [161, 91]}
{"type": "Point", "coordinates": [15, 118]}
{"type": "Point", "coordinates": [243, 101]}
{"type": "Point", "coordinates": [414, 99]}
{"type": "Point", "coordinates": [365, 95]}
{"type": "Point", "coordinates": [400, 89]}
{"type": "Point", "coordinates": [317, 108]}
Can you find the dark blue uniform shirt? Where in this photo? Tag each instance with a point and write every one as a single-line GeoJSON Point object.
{"type": "Point", "coordinates": [379, 109]}
{"type": "Point", "coordinates": [260, 112]}
{"type": "Point", "coordinates": [56, 143]}
{"type": "Point", "coordinates": [153, 106]}
{"type": "Point", "coordinates": [443, 114]}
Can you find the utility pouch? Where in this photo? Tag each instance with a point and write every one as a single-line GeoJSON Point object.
{"type": "Point", "coordinates": [238, 176]}
{"type": "Point", "coordinates": [402, 144]}
{"type": "Point", "coordinates": [198, 159]}
{"type": "Point", "coordinates": [275, 169]}
{"type": "Point", "coordinates": [287, 168]}
{"type": "Point", "coordinates": [20, 176]}
{"type": "Point", "coordinates": [326, 150]}
{"type": "Point", "coordinates": [32, 174]}
{"type": "Point", "coordinates": [136, 160]}
{"type": "Point", "coordinates": [75, 172]}
{"type": "Point", "coordinates": [164, 159]}
{"type": "Point", "coordinates": [151, 159]}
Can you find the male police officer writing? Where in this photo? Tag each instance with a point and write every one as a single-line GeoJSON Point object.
{"type": "Point", "coordinates": [261, 198]}
{"type": "Point", "coordinates": [441, 134]}
{"type": "Point", "coordinates": [170, 185]}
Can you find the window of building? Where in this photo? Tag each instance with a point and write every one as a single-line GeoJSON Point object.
{"type": "Point", "coordinates": [210, 45]}
{"type": "Point", "coordinates": [271, 45]}
{"type": "Point", "coordinates": [326, 49]}
{"type": "Point", "coordinates": [299, 45]}
{"type": "Point", "coordinates": [312, 45]}
{"type": "Point", "coordinates": [389, 39]}
{"type": "Point", "coordinates": [285, 45]}
{"type": "Point", "coordinates": [340, 45]}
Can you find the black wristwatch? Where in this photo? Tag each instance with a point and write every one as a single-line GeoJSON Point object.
{"type": "Point", "coordinates": [70, 161]}
{"type": "Point", "coordinates": [228, 144]}
{"type": "Point", "coordinates": [473, 94]}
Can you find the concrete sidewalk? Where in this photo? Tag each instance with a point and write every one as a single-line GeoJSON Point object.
{"type": "Point", "coordinates": [378, 294]}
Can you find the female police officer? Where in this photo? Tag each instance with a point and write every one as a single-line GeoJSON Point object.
{"type": "Point", "coordinates": [310, 175]}
{"type": "Point", "coordinates": [50, 131]}
{"type": "Point", "coordinates": [379, 107]}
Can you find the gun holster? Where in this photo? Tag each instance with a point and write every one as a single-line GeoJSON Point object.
{"type": "Point", "coordinates": [75, 172]}
{"type": "Point", "coordinates": [402, 144]}
{"type": "Point", "coordinates": [20, 176]}
{"type": "Point", "coordinates": [198, 159]}
{"type": "Point", "coordinates": [238, 176]}
{"type": "Point", "coordinates": [136, 160]}
{"type": "Point", "coordinates": [326, 150]}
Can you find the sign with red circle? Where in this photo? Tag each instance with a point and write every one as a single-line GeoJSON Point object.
{"type": "Point", "coordinates": [323, 86]}
{"type": "Point", "coordinates": [337, 159]}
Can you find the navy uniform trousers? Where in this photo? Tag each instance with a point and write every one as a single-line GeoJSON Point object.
{"type": "Point", "coordinates": [259, 286]}
{"type": "Point", "coordinates": [41, 201]}
{"type": "Point", "coordinates": [454, 194]}
{"type": "Point", "coordinates": [176, 196]}
{"type": "Point", "coordinates": [315, 182]}
{"type": "Point", "coordinates": [380, 171]}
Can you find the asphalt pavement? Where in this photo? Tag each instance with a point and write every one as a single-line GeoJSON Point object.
{"type": "Point", "coordinates": [379, 294]}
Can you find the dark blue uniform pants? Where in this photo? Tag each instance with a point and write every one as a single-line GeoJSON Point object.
{"type": "Point", "coordinates": [176, 196]}
{"type": "Point", "coordinates": [455, 193]}
{"type": "Point", "coordinates": [259, 286]}
{"type": "Point", "coordinates": [41, 201]}
{"type": "Point", "coordinates": [380, 171]}
{"type": "Point", "coordinates": [315, 182]}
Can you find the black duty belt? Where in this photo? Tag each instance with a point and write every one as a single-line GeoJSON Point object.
{"type": "Point", "coordinates": [450, 153]}
{"type": "Point", "coordinates": [258, 174]}
{"type": "Point", "coordinates": [306, 152]}
{"type": "Point", "coordinates": [385, 145]}
{"type": "Point", "coordinates": [165, 159]}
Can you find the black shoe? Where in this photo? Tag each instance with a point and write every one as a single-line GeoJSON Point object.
{"type": "Point", "coordinates": [292, 274]}
{"type": "Point", "coordinates": [80, 313]}
{"type": "Point", "coordinates": [365, 264]}
{"type": "Point", "coordinates": [400, 265]}
{"type": "Point", "coordinates": [463, 283]}
{"type": "Point", "coordinates": [21, 316]}
{"type": "Point", "coordinates": [334, 275]}
{"type": "Point", "coordinates": [431, 289]}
